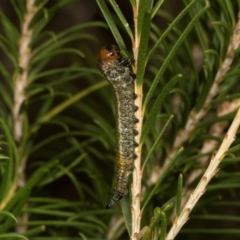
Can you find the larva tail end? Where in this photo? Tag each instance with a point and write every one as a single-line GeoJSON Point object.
{"type": "Point", "coordinates": [116, 197]}
{"type": "Point", "coordinates": [110, 204]}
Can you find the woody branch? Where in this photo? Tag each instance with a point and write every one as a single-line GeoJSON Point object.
{"type": "Point", "coordinates": [21, 80]}
{"type": "Point", "coordinates": [208, 175]}
{"type": "Point", "coordinates": [137, 172]}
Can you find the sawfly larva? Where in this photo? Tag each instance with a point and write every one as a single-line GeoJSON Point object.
{"type": "Point", "coordinates": [118, 71]}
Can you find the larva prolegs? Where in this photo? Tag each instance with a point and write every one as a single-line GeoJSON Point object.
{"type": "Point", "coordinates": [118, 72]}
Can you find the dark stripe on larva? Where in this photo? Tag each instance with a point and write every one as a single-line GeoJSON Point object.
{"type": "Point", "coordinates": [118, 72]}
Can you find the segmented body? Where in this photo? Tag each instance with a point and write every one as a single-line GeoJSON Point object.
{"type": "Point", "coordinates": [118, 72]}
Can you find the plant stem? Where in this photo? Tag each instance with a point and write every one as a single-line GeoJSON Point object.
{"type": "Point", "coordinates": [208, 175]}
{"type": "Point", "coordinates": [137, 172]}
{"type": "Point", "coordinates": [209, 146]}
{"type": "Point", "coordinates": [20, 84]}
{"type": "Point", "coordinates": [24, 58]}
{"type": "Point", "coordinates": [216, 130]}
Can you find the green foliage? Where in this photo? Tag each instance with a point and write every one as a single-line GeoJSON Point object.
{"type": "Point", "coordinates": [56, 179]}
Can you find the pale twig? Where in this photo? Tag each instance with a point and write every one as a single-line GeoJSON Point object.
{"type": "Point", "coordinates": [216, 130]}
{"type": "Point", "coordinates": [137, 172]}
{"type": "Point", "coordinates": [194, 116]}
{"type": "Point", "coordinates": [24, 58]}
{"type": "Point", "coordinates": [20, 84]}
{"type": "Point", "coordinates": [208, 175]}
{"type": "Point", "coordinates": [22, 81]}
{"type": "Point", "coordinates": [209, 146]}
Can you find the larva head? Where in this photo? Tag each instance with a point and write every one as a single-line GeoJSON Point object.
{"type": "Point", "coordinates": [112, 64]}
{"type": "Point", "coordinates": [109, 53]}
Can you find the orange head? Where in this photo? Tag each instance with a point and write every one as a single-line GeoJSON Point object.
{"type": "Point", "coordinates": [109, 53]}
